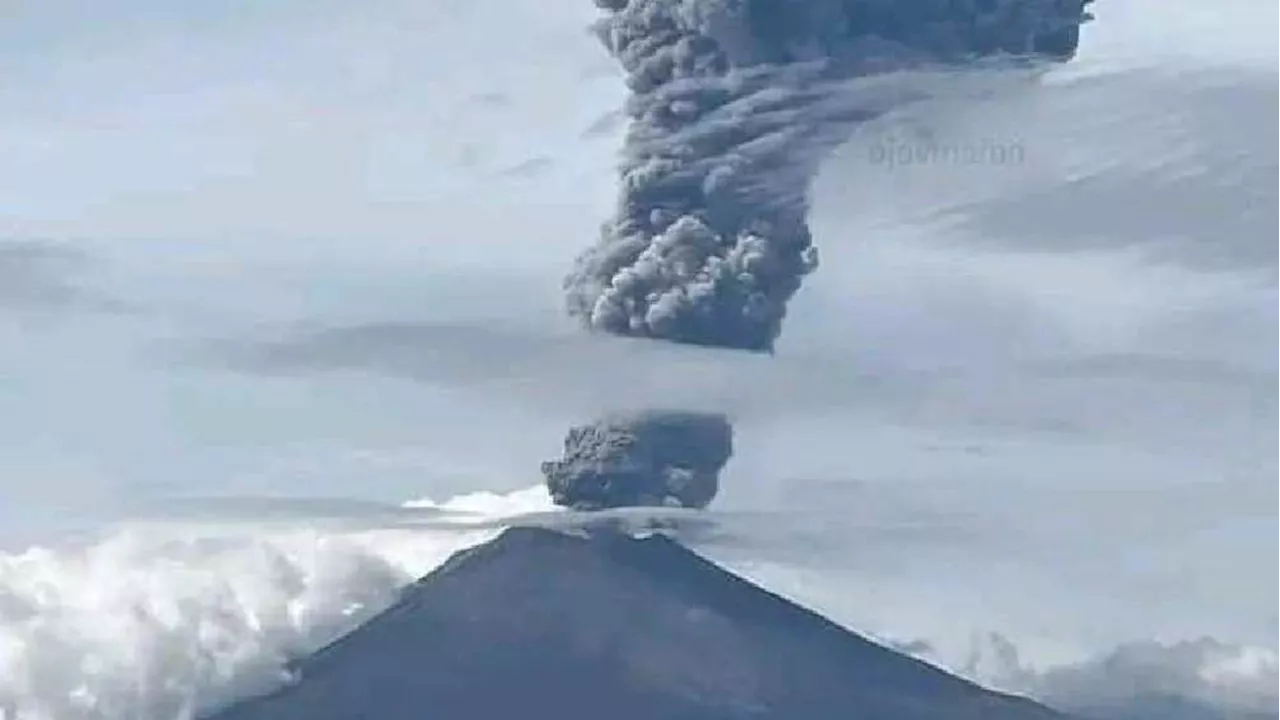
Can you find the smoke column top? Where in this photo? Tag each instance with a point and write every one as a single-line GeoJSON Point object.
{"type": "Point", "coordinates": [733, 103]}
{"type": "Point", "coordinates": [730, 114]}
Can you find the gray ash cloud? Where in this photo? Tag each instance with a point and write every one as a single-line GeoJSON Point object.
{"type": "Point", "coordinates": [733, 104]}
{"type": "Point", "coordinates": [655, 458]}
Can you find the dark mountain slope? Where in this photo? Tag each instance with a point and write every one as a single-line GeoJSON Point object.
{"type": "Point", "coordinates": [540, 624]}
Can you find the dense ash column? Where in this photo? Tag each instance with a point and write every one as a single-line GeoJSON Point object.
{"type": "Point", "coordinates": [733, 103]}
{"type": "Point", "coordinates": [709, 240]}
{"type": "Point", "coordinates": [732, 106]}
{"type": "Point", "coordinates": [655, 458]}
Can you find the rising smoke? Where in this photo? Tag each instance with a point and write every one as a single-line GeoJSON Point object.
{"type": "Point", "coordinates": [654, 458]}
{"type": "Point", "coordinates": [733, 105]}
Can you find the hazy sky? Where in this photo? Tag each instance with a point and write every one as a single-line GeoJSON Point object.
{"type": "Point", "coordinates": [315, 250]}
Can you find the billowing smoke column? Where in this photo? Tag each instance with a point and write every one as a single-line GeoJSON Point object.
{"type": "Point", "coordinates": [731, 109]}
{"type": "Point", "coordinates": [655, 458]}
{"type": "Point", "coordinates": [733, 104]}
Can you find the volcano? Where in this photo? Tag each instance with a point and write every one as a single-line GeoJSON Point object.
{"type": "Point", "coordinates": [541, 623]}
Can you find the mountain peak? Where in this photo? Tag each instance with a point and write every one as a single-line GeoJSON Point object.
{"type": "Point", "coordinates": [539, 623]}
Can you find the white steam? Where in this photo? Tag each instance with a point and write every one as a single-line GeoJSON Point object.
{"type": "Point", "coordinates": [156, 622]}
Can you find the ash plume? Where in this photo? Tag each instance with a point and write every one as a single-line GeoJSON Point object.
{"type": "Point", "coordinates": [655, 458]}
{"type": "Point", "coordinates": [733, 104]}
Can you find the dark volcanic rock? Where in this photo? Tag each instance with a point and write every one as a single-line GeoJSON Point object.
{"type": "Point", "coordinates": [538, 624]}
{"type": "Point", "coordinates": [653, 458]}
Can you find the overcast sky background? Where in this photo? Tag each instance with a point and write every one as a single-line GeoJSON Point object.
{"type": "Point", "coordinates": [314, 250]}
